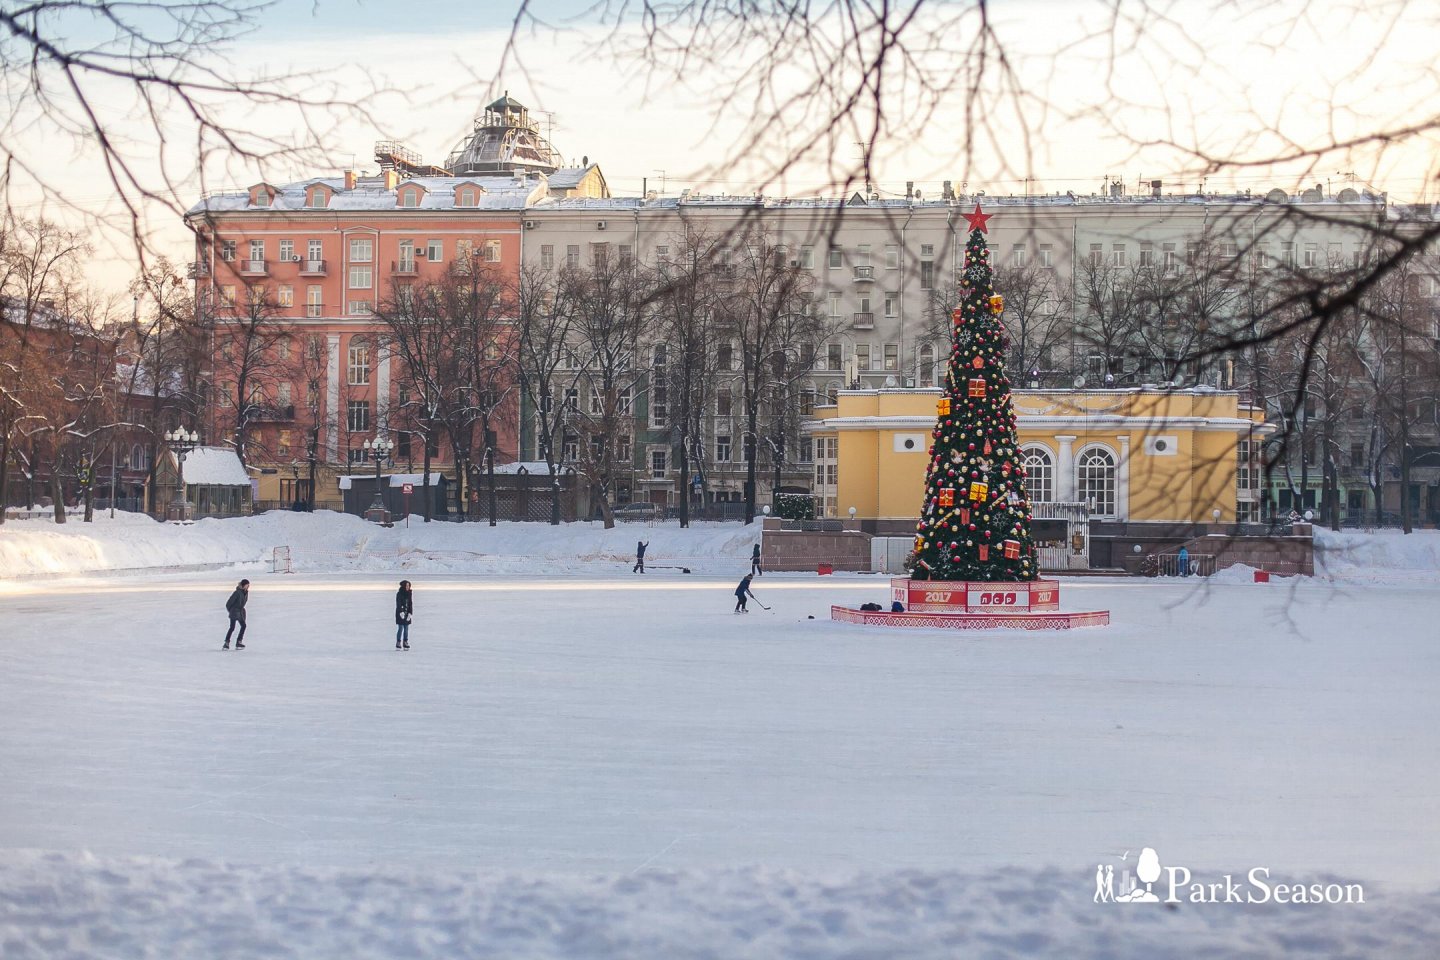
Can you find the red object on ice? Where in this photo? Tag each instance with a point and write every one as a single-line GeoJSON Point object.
{"type": "Point", "coordinates": [824, 569]}
{"type": "Point", "coordinates": [1262, 576]}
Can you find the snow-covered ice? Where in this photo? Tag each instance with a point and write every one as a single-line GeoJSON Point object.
{"type": "Point", "coordinates": [578, 761]}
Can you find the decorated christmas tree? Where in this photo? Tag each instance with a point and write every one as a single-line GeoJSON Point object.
{"type": "Point", "coordinates": [975, 521]}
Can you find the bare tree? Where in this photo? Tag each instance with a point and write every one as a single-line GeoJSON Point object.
{"type": "Point", "coordinates": [610, 319]}
{"type": "Point", "coordinates": [684, 304]}
{"type": "Point", "coordinates": [125, 81]}
{"type": "Point", "coordinates": [766, 306]}
{"type": "Point", "coordinates": [546, 366]}
{"type": "Point", "coordinates": [247, 336]}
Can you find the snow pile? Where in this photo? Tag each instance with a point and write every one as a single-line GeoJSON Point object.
{"type": "Point", "coordinates": [327, 541]}
{"type": "Point", "coordinates": [1379, 556]}
{"type": "Point", "coordinates": [60, 906]}
{"type": "Point", "coordinates": [1235, 573]}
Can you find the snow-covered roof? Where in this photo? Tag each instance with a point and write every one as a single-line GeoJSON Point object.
{"type": "Point", "coordinates": [500, 193]}
{"type": "Point", "coordinates": [214, 466]}
{"type": "Point", "coordinates": [568, 178]}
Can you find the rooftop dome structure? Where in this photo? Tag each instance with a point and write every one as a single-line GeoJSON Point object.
{"type": "Point", "coordinates": [504, 142]}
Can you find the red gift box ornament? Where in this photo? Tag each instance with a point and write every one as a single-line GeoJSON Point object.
{"type": "Point", "coordinates": [943, 407]}
{"type": "Point", "coordinates": [979, 491]}
{"type": "Point", "coordinates": [977, 388]}
{"type": "Point", "coordinates": [947, 496]}
{"type": "Point", "coordinates": [964, 514]}
{"type": "Point", "coordinates": [1012, 549]}
{"type": "Point", "coordinates": [987, 448]}
{"type": "Point", "coordinates": [997, 303]}
{"type": "Point", "coordinates": [984, 552]}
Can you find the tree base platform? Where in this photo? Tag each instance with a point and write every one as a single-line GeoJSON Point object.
{"type": "Point", "coordinates": [995, 620]}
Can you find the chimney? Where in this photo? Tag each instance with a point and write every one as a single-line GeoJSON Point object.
{"type": "Point", "coordinates": [1155, 186]}
{"type": "Point", "coordinates": [909, 189]}
{"type": "Point", "coordinates": [392, 178]}
{"type": "Point", "coordinates": [1117, 189]}
{"type": "Point", "coordinates": [947, 191]}
{"type": "Point", "coordinates": [349, 179]}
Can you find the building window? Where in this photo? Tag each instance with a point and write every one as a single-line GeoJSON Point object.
{"type": "Point", "coordinates": [315, 250]}
{"type": "Point", "coordinates": [1147, 254]}
{"type": "Point", "coordinates": [361, 278]}
{"type": "Point", "coordinates": [807, 258]}
{"type": "Point", "coordinates": [1047, 256]}
{"type": "Point", "coordinates": [1097, 251]}
{"type": "Point", "coordinates": [357, 416]}
{"type": "Point", "coordinates": [1039, 474]}
{"type": "Point", "coordinates": [358, 365]}
{"type": "Point", "coordinates": [927, 365]}
{"type": "Point", "coordinates": [724, 402]}
{"type": "Point", "coordinates": [547, 256]}
{"type": "Point", "coordinates": [1095, 481]}
{"type": "Point", "coordinates": [227, 295]}
{"type": "Point", "coordinates": [927, 275]}
{"type": "Point", "coordinates": [1172, 259]}
{"type": "Point", "coordinates": [862, 255]}
{"type": "Point", "coordinates": [837, 258]}
{"type": "Point", "coordinates": [313, 302]}
{"type": "Point", "coordinates": [361, 250]}
{"type": "Point", "coordinates": [725, 356]}
{"type": "Point", "coordinates": [627, 256]}
{"type": "Point", "coordinates": [1018, 255]}
{"type": "Point", "coordinates": [834, 304]}
{"type": "Point", "coordinates": [572, 256]}
{"type": "Point", "coordinates": [892, 357]}
{"type": "Point", "coordinates": [492, 251]}
{"type": "Point", "coordinates": [892, 256]}
{"type": "Point", "coordinates": [227, 250]}
{"type": "Point", "coordinates": [862, 357]}
{"type": "Point", "coordinates": [892, 303]}
{"type": "Point", "coordinates": [360, 308]}
{"type": "Point", "coordinates": [287, 251]}
{"type": "Point", "coordinates": [1117, 255]}
{"type": "Point", "coordinates": [658, 460]}
{"type": "Point", "coordinates": [285, 295]}
{"type": "Point", "coordinates": [600, 256]}
{"type": "Point", "coordinates": [834, 360]}
{"type": "Point", "coordinates": [722, 449]}
{"type": "Point", "coordinates": [409, 198]}
{"type": "Point", "coordinates": [1312, 255]}
{"type": "Point", "coordinates": [435, 250]}
{"type": "Point", "coordinates": [466, 197]}
{"type": "Point", "coordinates": [662, 253]}
{"type": "Point", "coordinates": [1287, 252]}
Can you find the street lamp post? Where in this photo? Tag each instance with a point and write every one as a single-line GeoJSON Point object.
{"type": "Point", "coordinates": [380, 449]}
{"type": "Point", "coordinates": [180, 441]}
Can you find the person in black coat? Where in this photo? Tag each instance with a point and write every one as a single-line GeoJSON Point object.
{"type": "Point", "coordinates": [404, 611]}
{"type": "Point", "coordinates": [741, 592]}
{"type": "Point", "coordinates": [755, 562]}
{"type": "Point", "coordinates": [235, 606]}
{"type": "Point", "coordinates": [640, 546]}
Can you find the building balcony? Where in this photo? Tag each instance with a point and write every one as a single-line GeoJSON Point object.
{"type": "Point", "coordinates": [312, 268]}
{"type": "Point", "coordinates": [403, 268]}
{"type": "Point", "coordinates": [864, 274]}
{"type": "Point", "coordinates": [254, 268]}
{"type": "Point", "coordinates": [273, 414]}
{"type": "Point", "coordinates": [863, 321]}
{"type": "Point", "coordinates": [198, 269]}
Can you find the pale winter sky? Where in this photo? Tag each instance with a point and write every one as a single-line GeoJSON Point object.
{"type": "Point", "coordinates": [1228, 83]}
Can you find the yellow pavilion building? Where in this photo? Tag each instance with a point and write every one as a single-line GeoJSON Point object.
{"type": "Point", "coordinates": [1138, 454]}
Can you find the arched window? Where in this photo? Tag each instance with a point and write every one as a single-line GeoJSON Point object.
{"type": "Point", "coordinates": [1040, 474]}
{"type": "Point", "coordinates": [927, 365]}
{"type": "Point", "coordinates": [1095, 481]}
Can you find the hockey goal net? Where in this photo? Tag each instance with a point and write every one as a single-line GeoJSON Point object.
{"type": "Point", "coordinates": [280, 561]}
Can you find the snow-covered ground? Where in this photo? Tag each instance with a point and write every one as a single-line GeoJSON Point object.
{"type": "Point", "coordinates": [597, 764]}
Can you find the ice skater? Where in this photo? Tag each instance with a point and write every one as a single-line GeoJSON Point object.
{"type": "Point", "coordinates": [404, 611]}
{"type": "Point", "coordinates": [742, 591]}
{"type": "Point", "coordinates": [235, 606]}
{"type": "Point", "coordinates": [640, 547]}
{"type": "Point", "coordinates": [755, 562]}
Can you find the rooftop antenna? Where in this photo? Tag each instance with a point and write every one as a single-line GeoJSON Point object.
{"type": "Point", "coordinates": [865, 146]}
{"type": "Point", "coordinates": [662, 181]}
